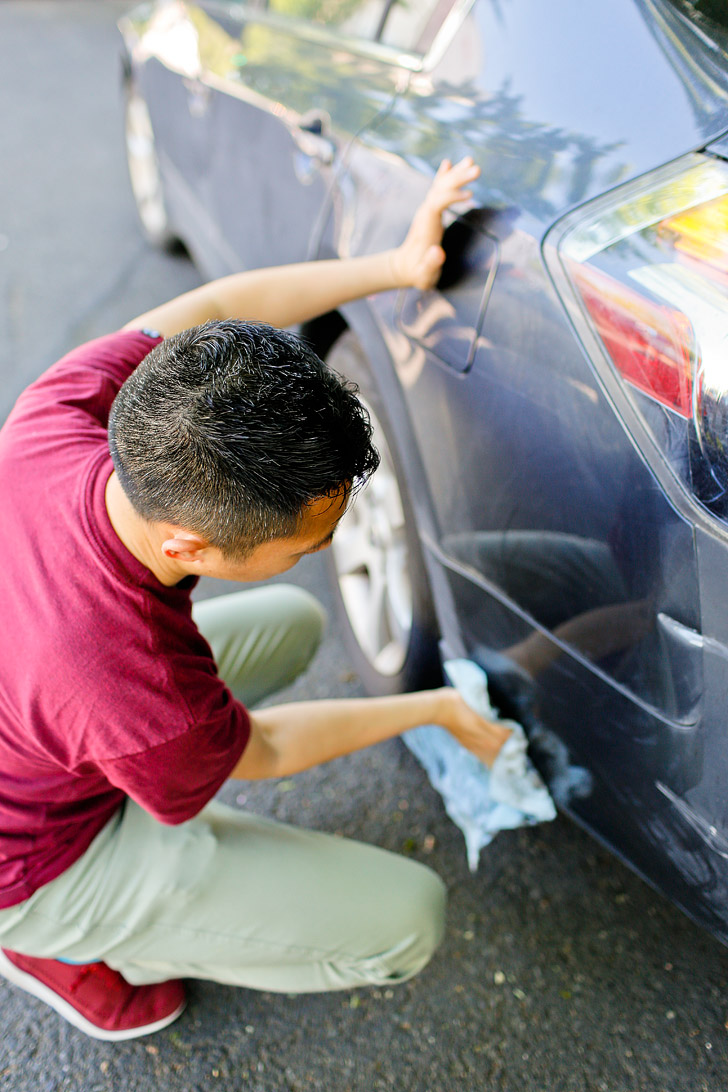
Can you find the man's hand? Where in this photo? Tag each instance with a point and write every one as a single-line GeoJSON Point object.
{"type": "Point", "coordinates": [483, 737]}
{"type": "Point", "coordinates": [418, 261]}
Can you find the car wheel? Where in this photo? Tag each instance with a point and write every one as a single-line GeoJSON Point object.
{"type": "Point", "coordinates": [375, 561]}
{"type": "Point", "coordinates": [144, 173]}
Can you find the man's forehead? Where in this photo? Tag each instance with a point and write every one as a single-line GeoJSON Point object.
{"type": "Point", "coordinates": [330, 502]}
{"type": "Point", "coordinates": [321, 515]}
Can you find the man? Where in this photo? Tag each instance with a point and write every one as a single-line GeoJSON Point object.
{"type": "Point", "coordinates": [217, 445]}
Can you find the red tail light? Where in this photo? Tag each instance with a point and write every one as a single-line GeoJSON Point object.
{"type": "Point", "coordinates": [644, 270]}
{"type": "Point", "coordinates": [651, 345]}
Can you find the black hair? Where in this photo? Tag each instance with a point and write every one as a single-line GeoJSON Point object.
{"type": "Point", "coordinates": [231, 428]}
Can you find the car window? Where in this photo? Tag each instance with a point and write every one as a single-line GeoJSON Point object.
{"type": "Point", "coordinates": [413, 24]}
{"type": "Point", "coordinates": [355, 18]}
{"type": "Point", "coordinates": [404, 24]}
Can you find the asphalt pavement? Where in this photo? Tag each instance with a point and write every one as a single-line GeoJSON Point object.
{"type": "Point", "coordinates": [561, 971]}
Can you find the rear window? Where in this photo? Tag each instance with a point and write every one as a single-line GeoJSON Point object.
{"type": "Point", "coordinates": [710, 16]}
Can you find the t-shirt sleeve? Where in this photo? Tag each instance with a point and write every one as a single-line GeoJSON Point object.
{"type": "Point", "coordinates": [174, 780]}
{"type": "Point", "coordinates": [84, 383]}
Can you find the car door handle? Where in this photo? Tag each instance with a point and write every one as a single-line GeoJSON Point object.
{"type": "Point", "coordinates": [310, 135]}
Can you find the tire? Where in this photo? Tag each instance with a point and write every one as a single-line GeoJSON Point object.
{"type": "Point", "coordinates": [375, 562]}
{"type": "Point", "coordinates": [144, 174]}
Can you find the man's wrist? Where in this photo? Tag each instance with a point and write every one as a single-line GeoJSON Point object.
{"type": "Point", "coordinates": [446, 700]}
{"type": "Point", "coordinates": [394, 266]}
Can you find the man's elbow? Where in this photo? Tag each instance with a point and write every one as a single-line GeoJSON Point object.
{"type": "Point", "coordinates": [261, 760]}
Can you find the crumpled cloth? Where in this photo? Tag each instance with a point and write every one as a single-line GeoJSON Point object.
{"type": "Point", "coordinates": [478, 800]}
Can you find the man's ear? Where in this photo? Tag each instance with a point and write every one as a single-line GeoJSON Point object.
{"type": "Point", "coordinates": [184, 546]}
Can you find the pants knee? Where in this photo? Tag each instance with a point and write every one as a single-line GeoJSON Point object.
{"type": "Point", "coordinates": [416, 932]}
{"type": "Point", "coordinates": [307, 619]}
{"type": "Point", "coordinates": [430, 922]}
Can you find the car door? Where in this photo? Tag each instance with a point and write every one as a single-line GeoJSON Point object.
{"type": "Point", "coordinates": [284, 89]}
{"type": "Point", "coordinates": [253, 107]}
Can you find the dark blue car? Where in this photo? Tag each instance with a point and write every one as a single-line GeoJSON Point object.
{"type": "Point", "coordinates": [553, 497]}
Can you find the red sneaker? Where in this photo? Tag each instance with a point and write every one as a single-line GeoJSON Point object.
{"type": "Point", "coordinates": [94, 998]}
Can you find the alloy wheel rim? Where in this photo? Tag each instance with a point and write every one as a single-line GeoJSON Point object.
{"type": "Point", "coordinates": [372, 565]}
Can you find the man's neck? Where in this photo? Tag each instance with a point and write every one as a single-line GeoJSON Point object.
{"type": "Point", "coordinates": [142, 539]}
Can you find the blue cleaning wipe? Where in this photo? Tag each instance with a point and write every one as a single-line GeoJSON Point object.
{"type": "Point", "coordinates": [478, 800]}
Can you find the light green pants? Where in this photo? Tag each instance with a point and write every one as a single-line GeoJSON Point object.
{"type": "Point", "coordinates": [231, 896]}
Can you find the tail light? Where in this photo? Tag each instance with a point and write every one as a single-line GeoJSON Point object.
{"type": "Point", "coordinates": [645, 272]}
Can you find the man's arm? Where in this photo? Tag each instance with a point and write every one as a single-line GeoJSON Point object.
{"type": "Point", "coordinates": [286, 739]}
{"type": "Point", "coordinates": [289, 294]}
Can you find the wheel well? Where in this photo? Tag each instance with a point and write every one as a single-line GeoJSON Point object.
{"type": "Point", "coordinates": [322, 332]}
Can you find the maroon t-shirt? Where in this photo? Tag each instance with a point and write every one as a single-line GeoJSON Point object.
{"type": "Point", "coordinates": [107, 688]}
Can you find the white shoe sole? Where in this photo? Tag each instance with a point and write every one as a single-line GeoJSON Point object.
{"type": "Point", "coordinates": [31, 985]}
